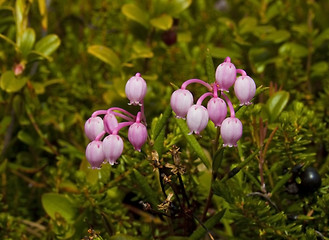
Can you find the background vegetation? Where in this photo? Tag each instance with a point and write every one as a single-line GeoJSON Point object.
{"type": "Point", "coordinates": [62, 60]}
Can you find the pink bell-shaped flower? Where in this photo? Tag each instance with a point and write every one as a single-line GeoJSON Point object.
{"type": "Point", "coordinates": [231, 131]}
{"type": "Point", "coordinates": [244, 89]}
{"type": "Point", "coordinates": [112, 148]}
{"type": "Point", "coordinates": [95, 154]}
{"type": "Point", "coordinates": [181, 100]}
{"type": "Point", "coordinates": [225, 75]}
{"type": "Point", "coordinates": [136, 89]}
{"type": "Point", "coordinates": [137, 135]}
{"type": "Point", "coordinates": [217, 110]}
{"type": "Point", "coordinates": [110, 122]}
{"type": "Point", "coordinates": [93, 127]}
{"type": "Point", "coordinates": [197, 118]}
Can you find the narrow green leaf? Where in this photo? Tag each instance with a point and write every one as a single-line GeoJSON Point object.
{"type": "Point", "coordinates": [48, 44]}
{"type": "Point", "coordinates": [209, 224]}
{"type": "Point", "coordinates": [162, 121]}
{"type": "Point", "coordinates": [146, 189]}
{"type": "Point", "coordinates": [193, 142]}
{"type": "Point", "coordinates": [218, 158]}
{"type": "Point", "coordinates": [210, 67]}
{"type": "Point", "coordinates": [276, 104]}
{"type": "Point", "coordinates": [281, 182]}
{"type": "Point", "coordinates": [55, 204]}
{"type": "Point", "coordinates": [9, 83]}
{"type": "Point", "coordinates": [164, 22]}
{"type": "Point", "coordinates": [133, 12]}
{"type": "Point", "coordinates": [27, 42]}
{"type": "Point", "coordinates": [8, 40]}
{"type": "Point", "coordinates": [107, 223]}
{"type": "Point", "coordinates": [105, 54]}
{"type": "Point", "coordinates": [158, 143]}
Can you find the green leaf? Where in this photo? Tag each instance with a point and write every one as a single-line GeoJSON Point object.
{"type": "Point", "coordinates": [146, 189]}
{"type": "Point", "coordinates": [48, 44]}
{"type": "Point", "coordinates": [55, 204]}
{"type": "Point", "coordinates": [177, 6]}
{"type": "Point", "coordinates": [10, 83]}
{"type": "Point", "coordinates": [26, 137]}
{"type": "Point", "coordinates": [209, 224]}
{"type": "Point", "coordinates": [193, 142]}
{"type": "Point", "coordinates": [224, 52]}
{"type": "Point", "coordinates": [276, 104]}
{"type": "Point", "coordinates": [140, 50]}
{"type": "Point", "coordinates": [133, 12]}
{"type": "Point", "coordinates": [293, 50]}
{"type": "Point", "coordinates": [3, 166]}
{"type": "Point", "coordinates": [158, 143]}
{"type": "Point", "coordinates": [217, 161]}
{"type": "Point", "coordinates": [8, 40]}
{"type": "Point", "coordinates": [164, 22]}
{"type": "Point", "coordinates": [177, 238]}
{"type": "Point", "coordinates": [278, 36]}
{"type": "Point", "coordinates": [210, 67]}
{"type": "Point", "coordinates": [28, 40]}
{"type": "Point", "coordinates": [123, 237]}
{"type": "Point", "coordinates": [4, 123]}
{"type": "Point", "coordinates": [162, 122]}
{"type": "Point", "coordinates": [281, 182]}
{"type": "Point", "coordinates": [105, 54]}
{"type": "Point", "coordinates": [322, 37]}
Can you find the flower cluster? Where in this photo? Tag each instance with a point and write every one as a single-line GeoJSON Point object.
{"type": "Point", "coordinates": [110, 148]}
{"type": "Point", "coordinates": [197, 116]}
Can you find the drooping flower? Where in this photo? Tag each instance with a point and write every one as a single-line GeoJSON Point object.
{"type": "Point", "coordinates": [95, 154]}
{"type": "Point", "coordinates": [217, 110]}
{"type": "Point", "coordinates": [244, 89]}
{"type": "Point", "coordinates": [110, 122]}
{"type": "Point", "coordinates": [225, 75]}
{"type": "Point", "coordinates": [136, 89]}
{"type": "Point", "coordinates": [137, 135]}
{"type": "Point", "coordinates": [197, 118]}
{"type": "Point", "coordinates": [93, 127]}
{"type": "Point", "coordinates": [181, 100]}
{"type": "Point", "coordinates": [231, 131]}
{"type": "Point", "coordinates": [112, 148]}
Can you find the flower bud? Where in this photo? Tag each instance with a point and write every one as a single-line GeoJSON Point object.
{"type": "Point", "coordinates": [231, 131]}
{"type": "Point", "coordinates": [217, 110]}
{"type": "Point", "coordinates": [136, 89]}
{"type": "Point", "coordinates": [137, 135]}
{"type": "Point", "coordinates": [225, 75]}
{"type": "Point", "coordinates": [245, 89]}
{"type": "Point", "coordinates": [110, 122]}
{"type": "Point", "coordinates": [181, 100]}
{"type": "Point", "coordinates": [197, 118]}
{"type": "Point", "coordinates": [112, 148]}
{"type": "Point", "coordinates": [95, 154]}
{"type": "Point", "coordinates": [93, 127]}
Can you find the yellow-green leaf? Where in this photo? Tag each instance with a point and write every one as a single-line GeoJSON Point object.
{"type": "Point", "coordinates": [27, 41]}
{"type": "Point", "coordinates": [105, 54]}
{"type": "Point", "coordinates": [57, 204]}
{"type": "Point", "coordinates": [48, 44]}
{"type": "Point", "coordinates": [133, 12]}
{"type": "Point", "coordinates": [163, 22]}
{"type": "Point", "coordinates": [9, 83]}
